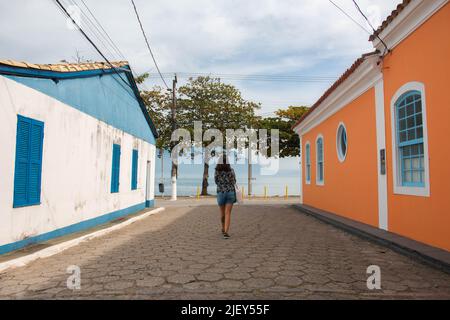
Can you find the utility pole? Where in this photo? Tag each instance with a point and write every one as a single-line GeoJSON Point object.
{"type": "Point", "coordinates": [249, 188]}
{"type": "Point", "coordinates": [162, 171]}
{"type": "Point", "coordinates": [174, 127]}
{"type": "Point", "coordinates": [250, 160]}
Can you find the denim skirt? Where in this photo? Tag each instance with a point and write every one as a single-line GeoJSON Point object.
{"type": "Point", "coordinates": [224, 198]}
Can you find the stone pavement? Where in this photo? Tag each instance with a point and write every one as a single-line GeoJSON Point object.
{"type": "Point", "coordinates": [274, 252]}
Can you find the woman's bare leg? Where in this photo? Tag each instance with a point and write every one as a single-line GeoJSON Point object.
{"type": "Point", "coordinates": [222, 217]}
{"type": "Point", "coordinates": [228, 208]}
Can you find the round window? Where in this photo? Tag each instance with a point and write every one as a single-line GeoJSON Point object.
{"type": "Point", "coordinates": [341, 142]}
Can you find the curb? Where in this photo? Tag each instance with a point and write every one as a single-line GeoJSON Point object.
{"type": "Point", "coordinates": [434, 257]}
{"type": "Point", "coordinates": [60, 247]}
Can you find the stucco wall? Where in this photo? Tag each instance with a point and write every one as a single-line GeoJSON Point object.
{"type": "Point", "coordinates": [104, 97]}
{"type": "Point", "coordinates": [423, 57]}
{"type": "Point", "coordinates": [350, 187]}
{"type": "Point", "coordinates": [76, 170]}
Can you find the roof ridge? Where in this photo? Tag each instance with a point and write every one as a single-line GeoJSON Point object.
{"type": "Point", "coordinates": [65, 66]}
{"type": "Point", "coordinates": [389, 19]}
{"type": "Point", "coordinates": [336, 84]}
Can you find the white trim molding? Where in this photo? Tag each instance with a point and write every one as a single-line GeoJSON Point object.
{"type": "Point", "coordinates": [301, 171]}
{"type": "Point", "coordinates": [383, 221]}
{"type": "Point", "coordinates": [360, 81]}
{"type": "Point", "coordinates": [341, 157]}
{"type": "Point", "coordinates": [318, 182]}
{"type": "Point", "coordinates": [396, 179]}
{"type": "Point", "coordinates": [407, 21]}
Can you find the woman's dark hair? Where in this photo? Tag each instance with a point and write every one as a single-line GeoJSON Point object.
{"type": "Point", "coordinates": [223, 165]}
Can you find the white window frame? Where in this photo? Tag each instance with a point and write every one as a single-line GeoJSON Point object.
{"type": "Point", "coordinates": [341, 157]}
{"type": "Point", "coordinates": [318, 182]}
{"type": "Point", "coordinates": [422, 191]}
{"type": "Point", "coordinates": [308, 144]}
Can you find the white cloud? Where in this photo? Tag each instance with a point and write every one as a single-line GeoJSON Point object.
{"type": "Point", "coordinates": [221, 36]}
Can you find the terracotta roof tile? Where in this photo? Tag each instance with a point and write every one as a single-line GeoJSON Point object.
{"type": "Point", "coordinates": [64, 67]}
{"type": "Point", "coordinates": [334, 86]}
{"type": "Point", "coordinates": [390, 18]}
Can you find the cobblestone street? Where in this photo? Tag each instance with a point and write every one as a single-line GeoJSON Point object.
{"type": "Point", "coordinates": [275, 252]}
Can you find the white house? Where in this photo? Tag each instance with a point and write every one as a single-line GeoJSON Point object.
{"type": "Point", "coordinates": [77, 149]}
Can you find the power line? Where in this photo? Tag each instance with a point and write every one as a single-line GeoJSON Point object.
{"type": "Point", "coordinates": [271, 76]}
{"type": "Point", "coordinates": [148, 45]}
{"type": "Point", "coordinates": [106, 33]}
{"type": "Point", "coordinates": [349, 16]}
{"type": "Point", "coordinates": [92, 28]}
{"type": "Point", "coordinates": [109, 40]}
{"type": "Point", "coordinates": [64, 10]}
{"type": "Point", "coordinates": [370, 24]}
{"type": "Point", "coordinates": [293, 79]}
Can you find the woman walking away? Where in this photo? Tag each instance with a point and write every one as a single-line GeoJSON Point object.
{"type": "Point", "coordinates": [225, 179]}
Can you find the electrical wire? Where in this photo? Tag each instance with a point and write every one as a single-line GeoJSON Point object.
{"type": "Point", "coordinates": [108, 39]}
{"type": "Point", "coordinates": [148, 44]}
{"type": "Point", "coordinates": [106, 33]}
{"type": "Point", "coordinates": [93, 29]}
{"type": "Point", "coordinates": [66, 13]}
{"type": "Point", "coordinates": [271, 76]}
{"type": "Point", "coordinates": [256, 77]}
{"type": "Point", "coordinates": [349, 16]}
{"type": "Point", "coordinates": [370, 24]}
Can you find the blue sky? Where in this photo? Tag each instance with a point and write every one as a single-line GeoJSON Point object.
{"type": "Point", "coordinates": [263, 37]}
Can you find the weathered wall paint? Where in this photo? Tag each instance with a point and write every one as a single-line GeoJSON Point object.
{"type": "Point", "coordinates": [104, 97]}
{"type": "Point", "coordinates": [76, 169]}
{"type": "Point", "coordinates": [350, 187]}
{"type": "Point", "coordinates": [424, 57]}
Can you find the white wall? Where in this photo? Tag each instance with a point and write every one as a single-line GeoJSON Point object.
{"type": "Point", "coordinates": [76, 169]}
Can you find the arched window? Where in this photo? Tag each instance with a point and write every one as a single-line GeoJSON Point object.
{"type": "Point", "coordinates": [308, 163]}
{"type": "Point", "coordinates": [319, 160]}
{"type": "Point", "coordinates": [409, 124]}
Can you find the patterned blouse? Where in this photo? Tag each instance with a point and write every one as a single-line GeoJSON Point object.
{"type": "Point", "coordinates": [225, 180]}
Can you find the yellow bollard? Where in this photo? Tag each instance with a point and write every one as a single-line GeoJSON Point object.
{"type": "Point", "coordinates": [286, 193]}
{"type": "Point", "coordinates": [243, 193]}
{"type": "Point", "coordinates": [265, 192]}
{"type": "Point", "coordinates": [198, 192]}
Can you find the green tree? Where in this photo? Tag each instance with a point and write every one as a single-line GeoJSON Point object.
{"type": "Point", "coordinates": [158, 102]}
{"type": "Point", "coordinates": [283, 121]}
{"type": "Point", "coordinates": [219, 106]}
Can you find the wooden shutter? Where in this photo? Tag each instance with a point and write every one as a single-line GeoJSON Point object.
{"type": "Point", "coordinates": [28, 164]}
{"type": "Point", "coordinates": [134, 170]}
{"type": "Point", "coordinates": [115, 169]}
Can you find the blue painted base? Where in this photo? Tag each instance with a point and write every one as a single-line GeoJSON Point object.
{"type": "Point", "coordinates": [83, 225]}
{"type": "Point", "coordinates": [149, 203]}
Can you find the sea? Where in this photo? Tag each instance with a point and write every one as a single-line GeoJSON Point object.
{"type": "Point", "coordinates": [190, 178]}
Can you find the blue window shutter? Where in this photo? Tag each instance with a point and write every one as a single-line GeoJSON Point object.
{"type": "Point", "coordinates": [115, 169]}
{"type": "Point", "coordinates": [28, 164]}
{"type": "Point", "coordinates": [34, 182]}
{"type": "Point", "coordinates": [22, 161]}
{"type": "Point", "coordinates": [134, 170]}
{"type": "Point", "coordinates": [118, 169]}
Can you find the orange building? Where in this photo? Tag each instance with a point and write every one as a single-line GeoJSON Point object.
{"type": "Point", "coordinates": [374, 146]}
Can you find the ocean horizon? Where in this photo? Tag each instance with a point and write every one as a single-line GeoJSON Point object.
{"type": "Point", "coordinates": [190, 178]}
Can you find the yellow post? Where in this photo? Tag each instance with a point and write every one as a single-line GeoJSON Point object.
{"type": "Point", "coordinates": [286, 193]}
{"type": "Point", "coordinates": [265, 192]}
{"type": "Point", "coordinates": [243, 193]}
{"type": "Point", "coordinates": [198, 192]}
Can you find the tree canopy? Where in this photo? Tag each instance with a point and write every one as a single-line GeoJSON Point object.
{"type": "Point", "coordinates": [217, 105]}
{"type": "Point", "coordinates": [283, 121]}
